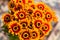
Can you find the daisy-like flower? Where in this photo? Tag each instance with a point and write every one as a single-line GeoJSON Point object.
{"type": "Point", "coordinates": [37, 23]}
{"type": "Point", "coordinates": [24, 24]}
{"type": "Point", "coordinates": [48, 16]}
{"type": "Point", "coordinates": [20, 15]}
{"type": "Point", "coordinates": [6, 18]}
{"type": "Point", "coordinates": [40, 6]}
{"type": "Point", "coordinates": [46, 28]}
{"type": "Point", "coordinates": [38, 14]}
{"type": "Point", "coordinates": [25, 35]}
{"type": "Point", "coordinates": [18, 7]}
{"type": "Point", "coordinates": [14, 27]}
{"type": "Point", "coordinates": [34, 34]}
{"type": "Point", "coordinates": [11, 5]}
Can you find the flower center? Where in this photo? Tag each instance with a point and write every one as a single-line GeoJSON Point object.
{"type": "Point", "coordinates": [40, 6]}
{"type": "Point", "coordinates": [34, 35]}
{"type": "Point", "coordinates": [37, 14]}
{"type": "Point", "coordinates": [38, 24]}
{"type": "Point", "coordinates": [12, 5]}
{"type": "Point", "coordinates": [48, 16]}
{"type": "Point", "coordinates": [15, 28]}
{"type": "Point", "coordinates": [7, 18]}
{"type": "Point", "coordinates": [21, 15]}
{"type": "Point", "coordinates": [25, 35]}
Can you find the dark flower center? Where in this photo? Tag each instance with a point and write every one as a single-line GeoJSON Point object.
{"type": "Point", "coordinates": [12, 5]}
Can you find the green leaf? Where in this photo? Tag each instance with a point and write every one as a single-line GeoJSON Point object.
{"type": "Point", "coordinates": [11, 37]}
{"type": "Point", "coordinates": [5, 28]}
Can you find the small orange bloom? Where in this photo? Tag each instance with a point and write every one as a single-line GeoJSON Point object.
{"type": "Point", "coordinates": [25, 35]}
{"type": "Point", "coordinates": [11, 5]}
{"type": "Point", "coordinates": [46, 28]}
{"type": "Point", "coordinates": [48, 16]}
{"type": "Point", "coordinates": [34, 34]}
{"type": "Point", "coordinates": [6, 18]}
{"type": "Point", "coordinates": [38, 14]}
{"type": "Point", "coordinates": [38, 23]}
{"type": "Point", "coordinates": [24, 24]}
{"type": "Point", "coordinates": [14, 27]}
{"type": "Point", "coordinates": [40, 6]}
{"type": "Point", "coordinates": [20, 15]}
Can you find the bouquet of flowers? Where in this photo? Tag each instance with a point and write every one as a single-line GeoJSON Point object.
{"type": "Point", "coordinates": [27, 20]}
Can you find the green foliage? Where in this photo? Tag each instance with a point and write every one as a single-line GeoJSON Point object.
{"type": "Point", "coordinates": [11, 37]}
{"type": "Point", "coordinates": [5, 28]}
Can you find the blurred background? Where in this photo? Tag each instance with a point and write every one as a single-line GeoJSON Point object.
{"type": "Point", "coordinates": [54, 4]}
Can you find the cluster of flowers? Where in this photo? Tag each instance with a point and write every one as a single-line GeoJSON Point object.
{"type": "Point", "coordinates": [29, 20]}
